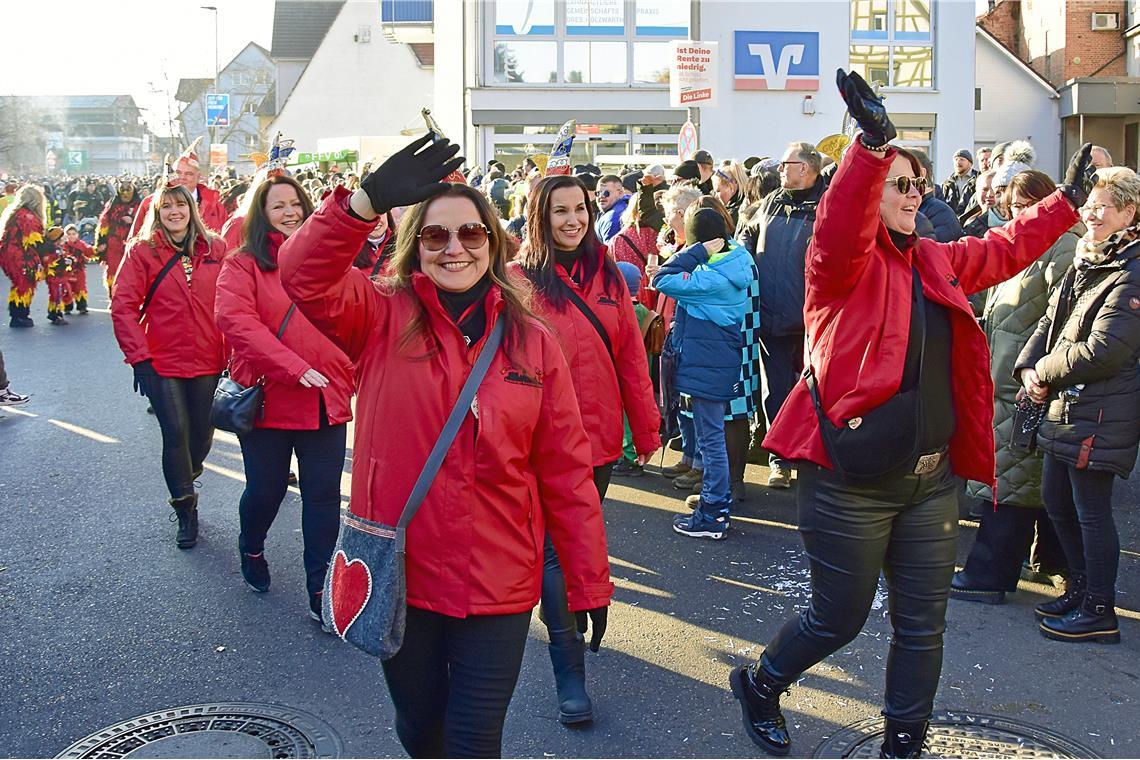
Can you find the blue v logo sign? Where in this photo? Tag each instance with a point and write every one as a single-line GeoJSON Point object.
{"type": "Point", "coordinates": [776, 61]}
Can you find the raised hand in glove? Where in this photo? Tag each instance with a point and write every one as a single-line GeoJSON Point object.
{"type": "Point", "coordinates": [146, 379]}
{"type": "Point", "coordinates": [411, 175]}
{"type": "Point", "coordinates": [598, 617]}
{"type": "Point", "coordinates": [1076, 185]}
{"type": "Point", "coordinates": [866, 108]}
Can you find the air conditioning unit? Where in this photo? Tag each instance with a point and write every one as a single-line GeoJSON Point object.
{"type": "Point", "coordinates": [1102, 22]}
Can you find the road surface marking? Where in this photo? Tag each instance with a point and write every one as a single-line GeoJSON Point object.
{"type": "Point", "coordinates": [84, 432]}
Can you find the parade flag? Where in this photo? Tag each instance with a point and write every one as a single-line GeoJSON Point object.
{"type": "Point", "coordinates": [456, 177]}
{"type": "Point", "coordinates": [278, 155]}
{"type": "Point", "coordinates": [559, 163]}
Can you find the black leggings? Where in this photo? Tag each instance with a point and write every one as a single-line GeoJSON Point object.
{"type": "Point", "coordinates": [908, 528]}
{"type": "Point", "coordinates": [452, 680]}
{"type": "Point", "coordinates": [737, 436]}
{"type": "Point", "coordinates": [320, 460]}
{"type": "Point", "coordinates": [1080, 505]}
{"type": "Point", "coordinates": [182, 408]}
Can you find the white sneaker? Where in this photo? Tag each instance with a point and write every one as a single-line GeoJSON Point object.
{"type": "Point", "coordinates": [8, 398]}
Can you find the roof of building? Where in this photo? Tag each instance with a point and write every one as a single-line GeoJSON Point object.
{"type": "Point", "coordinates": [75, 102]}
{"type": "Point", "coordinates": [1016, 60]}
{"type": "Point", "coordinates": [299, 26]}
{"type": "Point", "coordinates": [189, 89]}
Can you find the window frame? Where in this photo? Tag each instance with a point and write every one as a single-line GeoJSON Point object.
{"type": "Point", "coordinates": [890, 42]}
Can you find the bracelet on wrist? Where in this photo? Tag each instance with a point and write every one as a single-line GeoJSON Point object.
{"type": "Point", "coordinates": [877, 149]}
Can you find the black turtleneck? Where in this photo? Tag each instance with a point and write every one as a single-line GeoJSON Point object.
{"type": "Point", "coordinates": [475, 323]}
{"type": "Point", "coordinates": [567, 260]}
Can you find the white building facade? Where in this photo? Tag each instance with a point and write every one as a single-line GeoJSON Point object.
{"type": "Point", "coordinates": [510, 72]}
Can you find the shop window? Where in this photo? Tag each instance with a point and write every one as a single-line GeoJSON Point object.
{"type": "Point", "coordinates": [526, 62]}
{"type": "Point", "coordinates": [662, 18]}
{"type": "Point", "coordinates": [524, 18]}
{"type": "Point", "coordinates": [594, 62]}
{"type": "Point", "coordinates": [892, 42]}
{"type": "Point", "coordinates": [651, 62]}
{"type": "Point", "coordinates": [595, 18]}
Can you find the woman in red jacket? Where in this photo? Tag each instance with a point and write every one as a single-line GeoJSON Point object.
{"type": "Point", "coordinates": [519, 466]}
{"type": "Point", "coordinates": [581, 294]}
{"type": "Point", "coordinates": [308, 387]}
{"type": "Point", "coordinates": [899, 379]}
{"type": "Point", "coordinates": [162, 310]}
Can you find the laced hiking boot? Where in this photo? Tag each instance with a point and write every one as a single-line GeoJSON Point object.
{"type": "Point", "coordinates": [676, 470]}
{"type": "Point", "coordinates": [962, 587]}
{"type": "Point", "coordinates": [186, 512]}
{"type": "Point", "coordinates": [903, 739]}
{"type": "Point", "coordinates": [255, 571]}
{"type": "Point", "coordinates": [759, 698]}
{"type": "Point", "coordinates": [568, 657]}
{"type": "Point", "coordinates": [702, 522]}
{"type": "Point", "coordinates": [780, 477]}
{"type": "Point", "coordinates": [1095, 620]}
{"type": "Point", "coordinates": [315, 605]}
{"type": "Point", "coordinates": [627, 469]}
{"type": "Point", "coordinates": [8, 397]}
{"type": "Point", "coordinates": [1066, 602]}
{"type": "Point", "coordinates": [694, 478]}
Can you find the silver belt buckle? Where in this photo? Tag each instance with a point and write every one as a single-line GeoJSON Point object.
{"type": "Point", "coordinates": [927, 463]}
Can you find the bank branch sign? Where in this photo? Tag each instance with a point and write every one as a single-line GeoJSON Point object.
{"type": "Point", "coordinates": [776, 61]}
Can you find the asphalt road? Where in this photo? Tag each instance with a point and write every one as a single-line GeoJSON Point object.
{"type": "Point", "coordinates": [104, 619]}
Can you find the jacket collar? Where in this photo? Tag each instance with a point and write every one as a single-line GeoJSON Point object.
{"type": "Point", "coordinates": [441, 321]}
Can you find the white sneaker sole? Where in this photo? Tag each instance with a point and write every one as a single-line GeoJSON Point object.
{"type": "Point", "coordinates": [714, 535]}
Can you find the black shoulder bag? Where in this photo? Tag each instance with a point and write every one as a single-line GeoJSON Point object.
{"type": "Point", "coordinates": [597, 323]}
{"type": "Point", "coordinates": [884, 442]}
{"type": "Point", "coordinates": [154, 285]}
{"type": "Point", "coordinates": [236, 407]}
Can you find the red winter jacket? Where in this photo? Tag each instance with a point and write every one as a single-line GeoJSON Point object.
{"type": "Point", "coordinates": [857, 311]}
{"type": "Point", "coordinates": [178, 330]}
{"type": "Point", "coordinates": [604, 389]}
{"type": "Point", "coordinates": [519, 466]}
{"type": "Point", "coordinates": [210, 208]}
{"type": "Point", "coordinates": [250, 308]}
{"type": "Point", "coordinates": [231, 232]}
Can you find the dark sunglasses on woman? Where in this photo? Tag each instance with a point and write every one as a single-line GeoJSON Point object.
{"type": "Point", "coordinates": [436, 237]}
{"type": "Point", "coordinates": [902, 183]}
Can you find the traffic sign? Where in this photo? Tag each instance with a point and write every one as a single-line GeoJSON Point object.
{"type": "Point", "coordinates": [217, 109]}
{"type": "Point", "coordinates": [76, 160]}
{"type": "Point", "coordinates": [687, 141]}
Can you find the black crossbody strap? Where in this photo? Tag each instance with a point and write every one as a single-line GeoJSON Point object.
{"type": "Point", "coordinates": [597, 323]}
{"type": "Point", "coordinates": [633, 245]}
{"type": "Point", "coordinates": [450, 430]}
{"type": "Point", "coordinates": [285, 321]}
{"type": "Point", "coordinates": [154, 285]}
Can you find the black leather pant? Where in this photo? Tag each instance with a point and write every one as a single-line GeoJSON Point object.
{"type": "Point", "coordinates": [908, 528]}
{"type": "Point", "coordinates": [182, 408]}
{"type": "Point", "coordinates": [554, 609]}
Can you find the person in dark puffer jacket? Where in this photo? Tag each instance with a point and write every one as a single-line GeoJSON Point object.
{"type": "Point", "coordinates": [1082, 363]}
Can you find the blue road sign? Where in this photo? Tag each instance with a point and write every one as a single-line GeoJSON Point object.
{"type": "Point", "coordinates": [217, 109]}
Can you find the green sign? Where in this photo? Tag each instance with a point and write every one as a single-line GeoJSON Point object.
{"type": "Point", "coordinates": [77, 160]}
{"type": "Point", "coordinates": [345, 155]}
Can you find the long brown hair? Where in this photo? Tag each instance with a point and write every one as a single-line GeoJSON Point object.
{"type": "Point", "coordinates": [406, 262]}
{"type": "Point", "coordinates": [255, 228]}
{"type": "Point", "coordinates": [537, 254]}
{"type": "Point", "coordinates": [1031, 185]}
{"type": "Point", "coordinates": [152, 225]}
{"type": "Point", "coordinates": [709, 201]}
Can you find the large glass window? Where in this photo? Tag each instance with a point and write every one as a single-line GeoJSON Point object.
{"type": "Point", "coordinates": [585, 42]}
{"type": "Point", "coordinates": [608, 145]}
{"type": "Point", "coordinates": [892, 42]}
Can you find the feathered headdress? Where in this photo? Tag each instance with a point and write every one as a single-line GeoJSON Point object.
{"type": "Point", "coordinates": [456, 177]}
{"type": "Point", "coordinates": [169, 178]}
{"type": "Point", "coordinates": [189, 156]}
{"type": "Point", "coordinates": [559, 161]}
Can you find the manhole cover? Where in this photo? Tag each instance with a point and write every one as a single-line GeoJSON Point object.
{"type": "Point", "coordinates": [959, 734]}
{"type": "Point", "coordinates": [225, 730]}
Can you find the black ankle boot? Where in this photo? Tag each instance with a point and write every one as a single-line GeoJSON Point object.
{"type": "Point", "coordinates": [759, 697]}
{"type": "Point", "coordinates": [568, 656]}
{"type": "Point", "coordinates": [1095, 620]}
{"type": "Point", "coordinates": [903, 739]}
{"type": "Point", "coordinates": [186, 509]}
{"type": "Point", "coordinates": [1067, 602]}
{"type": "Point", "coordinates": [969, 589]}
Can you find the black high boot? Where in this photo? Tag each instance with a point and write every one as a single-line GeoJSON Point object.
{"type": "Point", "coordinates": [1095, 620]}
{"type": "Point", "coordinates": [568, 656]}
{"type": "Point", "coordinates": [759, 697]}
{"type": "Point", "coordinates": [903, 739]}
{"type": "Point", "coordinates": [186, 510]}
{"type": "Point", "coordinates": [1066, 602]}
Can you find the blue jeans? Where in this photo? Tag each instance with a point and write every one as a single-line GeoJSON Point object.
{"type": "Point", "coordinates": [708, 422]}
{"type": "Point", "coordinates": [690, 451]}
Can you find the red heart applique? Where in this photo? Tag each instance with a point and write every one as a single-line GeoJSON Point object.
{"type": "Point", "coordinates": [351, 588]}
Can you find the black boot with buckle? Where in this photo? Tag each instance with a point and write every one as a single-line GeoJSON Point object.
{"type": "Point", "coordinates": [1066, 602]}
{"type": "Point", "coordinates": [903, 738]}
{"type": "Point", "coordinates": [1095, 620]}
{"type": "Point", "coordinates": [186, 510]}
{"type": "Point", "coordinates": [759, 697]}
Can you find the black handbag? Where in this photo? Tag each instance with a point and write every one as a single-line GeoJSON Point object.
{"type": "Point", "coordinates": [236, 408]}
{"type": "Point", "coordinates": [882, 443]}
{"type": "Point", "coordinates": [1027, 417]}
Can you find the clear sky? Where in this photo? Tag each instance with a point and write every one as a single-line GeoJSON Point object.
{"type": "Point", "coordinates": [135, 47]}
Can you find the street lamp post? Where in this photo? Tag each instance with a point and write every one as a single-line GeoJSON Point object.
{"type": "Point", "coordinates": [213, 129]}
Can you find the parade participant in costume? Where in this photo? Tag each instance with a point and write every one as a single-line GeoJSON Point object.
{"type": "Point", "coordinates": [189, 175]}
{"type": "Point", "coordinates": [78, 253]}
{"type": "Point", "coordinates": [57, 268]}
{"type": "Point", "coordinates": [520, 464]}
{"type": "Point", "coordinates": [162, 310]}
{"type": "Point", "coordinates": [583, 297]}
{"type": "Point", "coordinates": [114, 229]}
{"type": "Point", "coordinates": [893, 410]}
{"type": "Point", "coordinates": [21, 243]}
{"type": "Point", "coordinates": [307, 385]}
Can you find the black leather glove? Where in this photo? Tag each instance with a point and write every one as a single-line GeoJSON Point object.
{"type": "Point", "coordinates": [145, 377]}
{"type": "Point", "coordinates": [411, 175]}
{"type": "Point", "coordinates": [866, 108]}
{"type": "Point", "coordinates": [598, 617]}
{"type": "Point", "coordinates": [1077, 183]}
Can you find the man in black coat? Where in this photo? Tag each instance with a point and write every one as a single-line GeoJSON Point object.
{"type": "Point", "coordinates": [959, 187]}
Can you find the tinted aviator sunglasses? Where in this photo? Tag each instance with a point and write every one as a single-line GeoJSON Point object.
{"type": "Point", "coordinates": [902, 183]}
{"type": "Point", "coordinates": [435, 237]}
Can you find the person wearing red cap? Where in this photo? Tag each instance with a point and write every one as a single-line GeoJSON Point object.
{"type": "Point", "coordinates": [189, 175]}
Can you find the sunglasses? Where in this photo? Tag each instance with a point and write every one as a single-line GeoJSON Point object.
{"type": "Point", "coordinates": [785, 165]}
{"type": "Point", "coordinates": [724, 176]}
{"type": "Point", "coordinates": [903, 184]}
{"type": "Point", "coordinates": [436, 237]}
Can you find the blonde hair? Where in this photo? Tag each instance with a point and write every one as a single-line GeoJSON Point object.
{"type": "Point", "coordinates": [30, 197]}
{"type": "Point", "coordinates": [735, 172]}
{"type": "Point", "coordinates": [679, 197]}
{"type": "Point", "coordinates": [152, 225]}
{"type": "Point", "coordinates": [1122, 184]}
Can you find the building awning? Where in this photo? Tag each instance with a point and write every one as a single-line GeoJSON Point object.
{"type": "Point", "coordinates": [1109, 96]}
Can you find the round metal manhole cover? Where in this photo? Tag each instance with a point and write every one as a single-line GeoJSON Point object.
{"type": "Point", "coordinates": [221, 730]}
{"type": "Point", "coordinates": [959, 734]}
